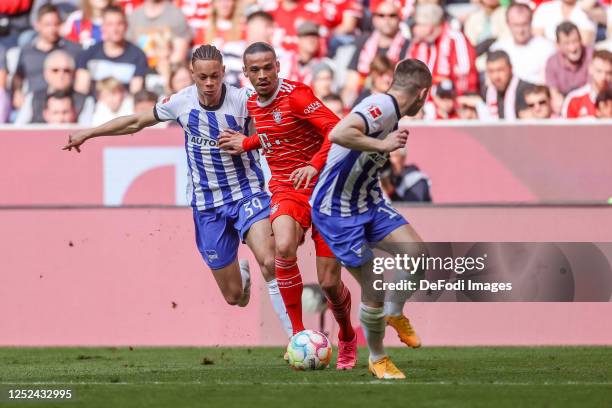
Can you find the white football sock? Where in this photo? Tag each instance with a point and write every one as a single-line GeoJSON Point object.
{"type": "Point", "coordinates": [394, 308]}
{"type": "Point", "coordinates": [373, 324]}
{"type": "Point", "coordinates": [245, 275]}
{"type": "Point", "coordinates": [279, 306]}
{"type": "Point", "coordinates": [245, 272]}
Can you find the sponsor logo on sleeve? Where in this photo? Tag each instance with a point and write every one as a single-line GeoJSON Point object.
{"type": "Point", "coordinates": [312, 107]}
{"type": "Point", "coordinates": [165, 100]}
{"type": "Point", "coordinates": [374, 111]}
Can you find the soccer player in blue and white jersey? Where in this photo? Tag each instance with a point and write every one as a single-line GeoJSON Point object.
{"type": "Point", "coordinates": [348, 207]}
{"type": "Point", "coordinates": [227, 192]}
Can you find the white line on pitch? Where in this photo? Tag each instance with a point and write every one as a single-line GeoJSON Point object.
{"type": "Point", "coordinates": [292, 383]}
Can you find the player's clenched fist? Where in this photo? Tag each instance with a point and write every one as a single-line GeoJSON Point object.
{"type": "Point", "coordinates": [76, 140]}
{"type": "Point", "coordinates": [231, 141]}
{"type": "Point", "coordinates": [395, 140]}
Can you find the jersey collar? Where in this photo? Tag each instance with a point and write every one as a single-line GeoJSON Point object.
{"type": "Point", "coordinates": [269, 101]}
{"type": "Point", "coordinates": [217, 106]}
{"type": "Point", "coordinates": [397, 111]}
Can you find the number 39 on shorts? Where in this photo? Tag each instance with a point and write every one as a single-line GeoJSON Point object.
{"type": "Point", "coordinates": [251, 206]}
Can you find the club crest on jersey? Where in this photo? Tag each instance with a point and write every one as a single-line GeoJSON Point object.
{"type": "Point", "coordinates": [276, 114]}
{"type": "Point", "coordinates": [374, 112]}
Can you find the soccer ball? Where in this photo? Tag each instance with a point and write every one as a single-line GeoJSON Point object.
{"type": "Point", "coordinates": [309, 350]}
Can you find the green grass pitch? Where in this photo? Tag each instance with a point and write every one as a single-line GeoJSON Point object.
{"type": "Point", "coordinates": [258, 377]}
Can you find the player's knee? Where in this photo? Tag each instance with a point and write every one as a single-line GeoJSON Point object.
{"type": "Point", "coordinates": [329, 282]}
{"type": "Point", "coordinates": [328, 286]}
{"type": "Point", "coordinates": [286, 248]}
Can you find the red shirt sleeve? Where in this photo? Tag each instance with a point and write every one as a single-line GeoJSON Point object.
{"type": "Point", "coordinates": [251, 142]}
{"type": "Point", "coordinates": [305, 105]}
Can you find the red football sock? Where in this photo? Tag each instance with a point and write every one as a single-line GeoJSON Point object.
{"type": "Point", "coordinates": [339, 301]}
{"type": "Point", "coordinates": [290, 285]}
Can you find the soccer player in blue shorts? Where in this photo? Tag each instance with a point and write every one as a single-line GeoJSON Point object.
{"type": "Point", "coordinates": [348, 207]}
{"type": "Point", "coordinates": [228, 198]}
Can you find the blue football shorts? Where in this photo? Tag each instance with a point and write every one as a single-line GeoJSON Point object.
{"type": "Point", "coordinates": [350, 238]}
{"type": "Point", "coordinates": [219, 231]}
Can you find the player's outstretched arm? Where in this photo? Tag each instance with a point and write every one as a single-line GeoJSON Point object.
{"type": "Point", "coordinates": [351, 133]}
{"type": "Point", "coordinates": [123, 125]}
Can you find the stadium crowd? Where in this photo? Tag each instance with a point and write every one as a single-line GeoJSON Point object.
{"type": "Point", "coordinates": [87, 61]}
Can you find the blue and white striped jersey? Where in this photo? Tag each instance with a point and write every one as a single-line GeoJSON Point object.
{"type": "Point", "coordinates": [217, 178]}
{"type": "Point", "coordinates": [349, 184]}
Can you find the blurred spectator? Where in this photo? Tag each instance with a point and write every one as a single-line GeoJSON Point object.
{"type": "Point", "coordinates": [581, 102]}
{"type": "Point", "coordinates": [402, 182]}
{"type": "Point", "coordinates": [260, 27]}
{"type": "Point", "coordinates": [114, 57]}
{"type": "Point", "coordinates": [288, 15]}
{"type": "Point", "coordinates": [485, 25]}
{"type": "Point", "coordinates": [196, 12]}
{"type": "Point", "coordinates": [3, 69]}
{"type": "Point", "coordinates": [160, 29]}
{"type": "Point", "coordinates": [550, 14]}
{"type": "Point", "coordinates": [322, 80]}
{"type": "Point", "coordinates": [308, 53]}
{"type": "Point", "coordinates": [32, 55]}
{"type": "Point", "coordinates": [537, 103]}
{"type": "Point", "coordinates": [15, 20]}
{"type": "Point", "coordinates": [443, 104]}
{"type": "Point", "coordinates": [568, 68]}
{"type": "Point", "coordinates": [528, 54]}
{"type": "Point", "coordinates": [179, 79]}
{"type": "Point", "coordinates": [65, 8]}
{"type": "Point", "coordinates": [380, 78]}
{"type": "Point", "coordinates": [409, 9]}
{"type": "Point", "coordinates": [58, 109]}
{"type": "Point", "coordinates": [128, 6]}
{"type": "Point", "coordinates": [603, 104]}
{"type": "Point", "coordinates": [224, 23]}
{"type": "Point", "coordinates": [5, 106]}
{"type": "Point", "coordinates": [469, 106]}
{"type": "Point", "coordinates": [505, 96]}
{"type": "Point", "coordinates": [335, 104]}
{"type": "Point", "coordinates": [112, 101]}
{"type": "Point", "coordinates": [447, 52]}
{"type": "Point", "coordinates": [59, 71]}
{"type": "Point", "coordinates": [597, 11]}
{"type": "Point", "coordinates": [84, 26]}
{"type": "Point", "coordinates": [606, 44]}
{"type": "Point", "coordinates": [342, 16]}
{"type": "Point", "coordinates": [144, 101]}
{"type": "Point", "coordinates": [386, 39]}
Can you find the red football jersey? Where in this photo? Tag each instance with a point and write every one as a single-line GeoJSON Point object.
{"type": "Point", "coordinates": [288, 21]}
{"type": "Point", "coordinates": [579, 103]}
{"type": "Point", "coordinates": [292, 129]}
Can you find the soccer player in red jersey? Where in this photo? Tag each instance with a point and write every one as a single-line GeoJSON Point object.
{"type": "Point", "coordinates": [292, 125]}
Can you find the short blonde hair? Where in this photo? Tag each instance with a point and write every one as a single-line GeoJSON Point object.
{"type": "Point", "coordinates": [109, 84]}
